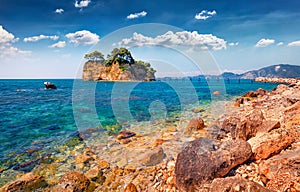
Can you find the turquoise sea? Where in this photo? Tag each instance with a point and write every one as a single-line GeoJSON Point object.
{"type": "Point", "coordinates": [34, 120]}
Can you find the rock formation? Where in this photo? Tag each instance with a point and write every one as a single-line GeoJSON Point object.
{"type": "Point", "coordinates": [119, 67]}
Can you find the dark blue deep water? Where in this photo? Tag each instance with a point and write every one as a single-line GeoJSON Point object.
{"type": "Point", "coordinates": [35, 119]}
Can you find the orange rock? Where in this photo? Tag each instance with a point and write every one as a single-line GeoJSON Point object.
{"type": "Point", "coordinates": [130, 188]}
{"type": "Point", "coordinates": [158, 142]}
{"type": "Point", "coordinates": [27, 182]}
{"type": "Point", "coordinates": [268, 144]}
{"type": "Point", "coordinates": [195, 124]}
{"type": "Point", "coordinates": [281, 172]}
{"type": "Point", "coordinates": [125, 135]}
{"type": "Point", "coordinates": [96, 175]}
{"type": "Point", "coordinates": [125, 141]}
{"type": "Point", "coordinates": [82, 158]}
{"type": "Point", "coordinates": [103, 164]}
{"type": "Point", "coordinates": [72, 181]}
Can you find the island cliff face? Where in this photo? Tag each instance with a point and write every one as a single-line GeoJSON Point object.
{"type": "Point", "coordinates": [96, 71]}
{"type": "Point", "coordinates": [119, 66]}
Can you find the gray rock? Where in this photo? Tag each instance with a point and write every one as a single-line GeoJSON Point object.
{"type": "Point", "coordinates": [153, 157]}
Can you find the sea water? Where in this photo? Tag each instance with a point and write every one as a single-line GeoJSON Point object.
{"type": "Point", "coordinates": [34, 120]}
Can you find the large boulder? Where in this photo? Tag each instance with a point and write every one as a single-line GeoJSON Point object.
{"type": "Point", "coordinates": [230, 123]}
{"type": "Point", "coordinates": [73, 181]}
{"type": "Point", "coordinates": [281, 172]}
{"type": "Point", "coordinates": [204, 159]}
{"type": "Point", "coordinates": [27, 182]}
{"type": "Point", "coordinates": [248, 125]}
{"type": "Point", "coordinates": [272, 143]}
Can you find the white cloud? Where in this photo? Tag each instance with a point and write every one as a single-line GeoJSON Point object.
{"type": "Point", "coordinates": [294, 44]}
{"type": "Point", "coordinates": [204, 14]}
{"type": "Point", "coordinates": [59, 11]}
{"type": "Point", "coordinates": [233, 44]}
{"type": "Point", "coordinates": [83, 37]}
{"type": "Point", "coordinates": [6, 47]}
{"type": "Point", "coordinates": [5, 36]}
{"type": "Point", "coordinates": [137, 15]}
{"type": "Point", "coordinates": [183, 38]}
{"type": "Point", "coordinates": [40, 37]}
{"type": "Point", "coordinates": [83, 3]}
{"type": "Point", "coordinates": [59, 44]}
{"type": "Point", "coordinates": [264, 42]}
{"type": "Point", "coordinates": [279, 44]}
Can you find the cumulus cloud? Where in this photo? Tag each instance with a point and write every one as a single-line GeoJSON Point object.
{"type": "Point", "coordinates": [279, 44]}
{"type": "Point", "coordinates": [204, 14]}
{"type": "Point", "coordinates": [83, 37]}
{"type": "Point", "coordinates": [294, 44]}
{"type": "Point", "coordinates": [137, 15]}
{"type": "Point", "coordinates": [183, 38]}
{"type": "Point", "coordinates": [40, 37]}
{"type": "Point", "coordinates": [6, 47]}
{"type": "Point", "coordinates": [264, 42]}
{"type": "Point", "coordinates": [59, 11]}
{"type": "Point", "coordinates": [83, 3]}
{"type": "Point", "coordinates": [59, 44]}
{"type": "Point", "coordinates": [233, 44]}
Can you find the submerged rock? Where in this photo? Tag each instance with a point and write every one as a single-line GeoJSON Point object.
{"type": "Point", "coordinates": [195, 124]}
{"type": "Point", "coordinates": [204, 159]}
{"type": "Point", "coordinates": [27, 182]}
{"type": "Point", "coordinates": [125, 135]}
{"type": "Point", "coordinates": [198, 110]}
{"type": "Point", "coordinates": [73, 181]}
{"type": "Point", "coordinates": [153, 157]}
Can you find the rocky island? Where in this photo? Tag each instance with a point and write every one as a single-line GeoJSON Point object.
{"type": "Point", "coordinates": [119, 66]}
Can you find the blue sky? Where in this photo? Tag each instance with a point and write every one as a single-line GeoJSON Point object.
{"type": "Point", "coordinates": [48, 38]}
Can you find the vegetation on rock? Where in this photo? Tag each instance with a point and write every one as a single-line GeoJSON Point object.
{"type": "Point", "coordinates": [95, 56]}
{"type": "Point", "coordinates": [118, 65]}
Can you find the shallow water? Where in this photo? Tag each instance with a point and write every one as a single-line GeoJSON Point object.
{"type": "Point", "coordinates": [35, 122]}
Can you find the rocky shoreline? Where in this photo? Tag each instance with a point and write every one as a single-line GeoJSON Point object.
{"type": "Point", "coordinates": [254, 147]}
{"type": "Point", "coordinates": [278, 80]}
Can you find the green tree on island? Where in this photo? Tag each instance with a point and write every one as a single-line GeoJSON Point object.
{"type": "Point", "coordinates": [95, 56]}
{"type": "Point", "coordinates": [122, 55]}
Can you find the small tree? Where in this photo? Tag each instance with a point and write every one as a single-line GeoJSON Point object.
{"type": "Point", "coordinates": [95, 56]}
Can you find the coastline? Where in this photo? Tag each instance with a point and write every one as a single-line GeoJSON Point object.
{"type": "Point", "coordinates": [278, 80]}
{"type": "Point", "coordinates": [256, 147]}
{"type": "Point", "coordinates": [90, 172]}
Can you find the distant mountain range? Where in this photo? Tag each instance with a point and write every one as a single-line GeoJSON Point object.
{"type": "Point", "coordinates": [274, 71]}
